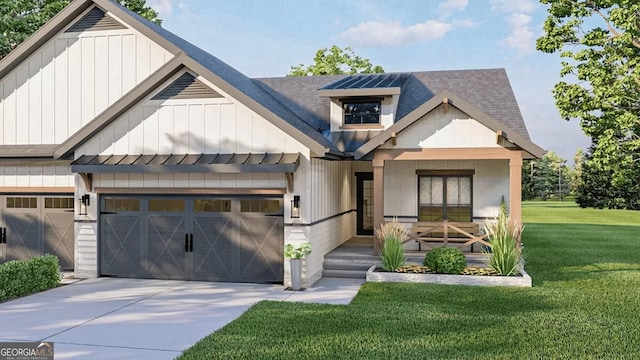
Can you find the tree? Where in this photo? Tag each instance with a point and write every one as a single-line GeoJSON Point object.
{"type": "Point", "coordinates": [576, 174]}
{"type": "Point", "coordinates": [599, 41]}
{"type": "Point", "coordinates": [21, 18]}
{"type": "Point", "coordinates": [595, 191]}
{"type": "Point", "coordinates": [336, 61]}
{"type": "Point", "coordinates": [545, 178]}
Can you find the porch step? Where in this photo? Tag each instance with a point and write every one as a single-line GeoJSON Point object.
{"type": "Point", "coordinates": [346, 268]}
{"type": "Point", "coordinates": [349, 274]}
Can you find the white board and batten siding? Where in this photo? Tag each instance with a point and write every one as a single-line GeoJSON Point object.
{"type": "Point", "coordinates": [327, 193]}
{"type": "Point", "coordinates": [69, 80]}
{"type": "Point", "coordinates": [194, 126]}
{"type": "Point", "coordinates": [442, 128]}
{"type": "Point", "coordinates": [35, 176]}
{"type": "Point", "coordinates": [490, 184]}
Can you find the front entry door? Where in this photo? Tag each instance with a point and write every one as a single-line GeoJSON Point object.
{"type": "Point", "coordinates": [364, 196]}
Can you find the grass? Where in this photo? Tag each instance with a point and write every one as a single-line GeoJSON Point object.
{"type": "Point", "coordinates": [584, 305]}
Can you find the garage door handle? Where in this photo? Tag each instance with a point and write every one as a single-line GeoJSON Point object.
{"type": "Point", "coordinates": [190, 242]}
{"type": "Point", "coordinates": [186, 242]}
{"type": "Point", "coordinates": [108, 213]}
{"type": "Point", "coordinates": [3, 235]}
{"type": "Point", "coordinates": [274, 215]}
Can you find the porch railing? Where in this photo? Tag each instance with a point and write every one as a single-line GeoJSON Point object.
{"type": "Point", "coordinates": [455, 234]}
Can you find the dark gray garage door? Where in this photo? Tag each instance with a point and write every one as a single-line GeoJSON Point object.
{"type": "Point", "coordinates": [35, 225]}
{"type": "Point", "coordinates": [237, 239]}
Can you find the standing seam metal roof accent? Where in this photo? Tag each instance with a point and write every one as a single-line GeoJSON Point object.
{"type": "Point", "coordinates": [370, 81]}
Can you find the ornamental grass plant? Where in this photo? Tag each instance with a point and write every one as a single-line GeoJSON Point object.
{"type": "Point", "coordinates": [393, 235]}
{"type": "Point", "coordinates": [505, 254]}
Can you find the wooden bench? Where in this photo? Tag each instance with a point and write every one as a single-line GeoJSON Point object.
{"type": "Point", "coordinates": [456, 234]}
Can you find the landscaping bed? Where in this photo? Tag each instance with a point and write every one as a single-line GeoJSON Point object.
{"type": "Point", "coordinates": [375, 274]}
{"type": "Point", "coordinates": [584, 305]}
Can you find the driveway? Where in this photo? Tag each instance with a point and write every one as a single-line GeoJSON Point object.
{"type": "Point", "coordinates": [108, 318]}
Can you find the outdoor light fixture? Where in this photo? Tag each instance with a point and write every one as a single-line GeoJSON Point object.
{"type": "Point", "coordinates": [84, 204]}
{"type": "Point", "coordinates": [295, 207]}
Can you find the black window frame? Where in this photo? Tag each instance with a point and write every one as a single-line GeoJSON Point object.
{"type": "Point", "coordinates": [444, 175]}
{"type": "Point", "coordinates": [361, 115]}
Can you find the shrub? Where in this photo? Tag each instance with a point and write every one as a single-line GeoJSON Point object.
{"type": "Point", "coordinates": [445, 260]}
{"type": "Point", "coordinates": [503, 234]}
{"type": "Point", "coordinates": [19, 278]}
{"type": "Point", "coordinates": [393, 235]}
{"type": "Point", "coordinates": [297, 252]}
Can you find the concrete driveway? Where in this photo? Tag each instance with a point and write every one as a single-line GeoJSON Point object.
{"type": "Point", "coordinates": [109, 318]}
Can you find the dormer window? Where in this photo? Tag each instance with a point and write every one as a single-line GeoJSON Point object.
{"type": "Point", "coordinates": [359, 112]}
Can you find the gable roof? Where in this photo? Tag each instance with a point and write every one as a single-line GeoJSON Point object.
{"type": "Point", "coordinates": [295, 104]}
{"type": "Point", "coordinates": [482, 93]}
{"type": "Point", "coordinates": [464, 106]}
{"type": "Point", "coordinates": [204, 64]}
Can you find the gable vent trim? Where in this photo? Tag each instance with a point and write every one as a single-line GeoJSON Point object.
{"type": "Point", "coordinates": [95, 20]}
{"type": "Point", "coordinates": [186, 87]}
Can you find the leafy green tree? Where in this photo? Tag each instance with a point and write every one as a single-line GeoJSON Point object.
{"type": "Point", "coordinates": [336, 61]}
{"type": "Point", "coordinates": [545, 178]}
{"type": "Point", "coordinates": [576, 173]}
{"type": "Point", "coordinates": [599, 41]}
{"type": "Point", "coordinates": [595, 190]}
{"type": "Point", "coordinates": [21, 18]}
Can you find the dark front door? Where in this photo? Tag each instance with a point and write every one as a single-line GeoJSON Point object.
{"type": "Point", "coordinates": [364, 196]}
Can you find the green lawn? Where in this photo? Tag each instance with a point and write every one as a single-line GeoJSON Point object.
{"type": "Point", "coordinates": [585, 304]}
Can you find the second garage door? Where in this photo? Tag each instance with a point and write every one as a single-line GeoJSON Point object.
{"type": "Point", "coordinates": [236, 239]}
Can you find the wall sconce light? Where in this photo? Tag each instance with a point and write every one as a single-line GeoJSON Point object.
{"type": "Point", "coordinates": [295, 207]}
{"type": "Point", "coordinates": [84, 204]}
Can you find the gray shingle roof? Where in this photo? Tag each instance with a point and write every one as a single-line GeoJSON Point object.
{"type": "Point", "coordinates": [234, 78]}
{"type": "Point", "coordinates": [487, 89]}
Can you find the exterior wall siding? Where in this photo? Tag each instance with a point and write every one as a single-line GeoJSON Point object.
{"type": "Point", "coordinates": [220, 125]}
{"type": "Point", "coordinates": [490, 184]}
{"type": "Point", "coordinates": [444, 129]}
{"type": "Point", "coordinates": [36, 176]}
{"type": "Point", "coordinates": [71, 79]}
{"type": "Point", "coordinates": [331, 188]}
{"type": "Point", "coordinates": [324, 237]}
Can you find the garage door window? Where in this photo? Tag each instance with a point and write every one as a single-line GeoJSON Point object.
{"type": "Point", "coordinates": [166, 205]}
{"type": "Point", "coordinates": [122, 205]}
{"type": "Point", "coordinates": [212, 205]}
{"type": "Point", "coordinates": [58, 203]}
{"type": "Point", "coordinates": [22, 203]}
{"type": "Point", "coordinates": [260, 206]}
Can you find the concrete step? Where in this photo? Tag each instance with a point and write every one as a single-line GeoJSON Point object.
{"type": "Point", "coordinates": [351, 274]}
{"type": "Point", "coordinates": [350, 264]}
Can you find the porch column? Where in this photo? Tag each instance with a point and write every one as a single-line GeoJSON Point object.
{"type": "Point", "coordinates": [515, 187]}
{"type": "Point", "coordinates": [378, 201]}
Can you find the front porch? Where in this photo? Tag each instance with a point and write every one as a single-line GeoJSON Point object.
{"type": "Point", "coordinates": [356, 255]}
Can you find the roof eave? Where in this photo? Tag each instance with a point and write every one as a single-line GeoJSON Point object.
{"type": "Point", "coordinates": [447, 96]}
{"type": "Point", "coordinates": [42, 35]}
{"type": "Point", "coordinates": [288, 128]}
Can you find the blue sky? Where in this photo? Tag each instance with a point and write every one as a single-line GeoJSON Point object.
{"type": "Point", "coordinates": [263, 38]}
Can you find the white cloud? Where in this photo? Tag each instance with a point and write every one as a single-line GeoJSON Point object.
{"type": "Point", "coordinates": [386, 34]}
{"type": "Point", "coordinates": [513, 6]}
{"type": "Point", "coordinates": [448, 7]}
{"type": "Point", "coordinates": [163, 7]}
{"type": "Point", "coordinates": [521, 37]}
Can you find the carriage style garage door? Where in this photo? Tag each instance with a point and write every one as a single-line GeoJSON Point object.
{"type": "Point", "coordinates": [237, 239]}
{"type": "Point", "coordinates": [34, 225]}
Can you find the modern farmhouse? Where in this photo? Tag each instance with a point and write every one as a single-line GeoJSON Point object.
{"type": "Point", "coordinates": [127, 151]}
